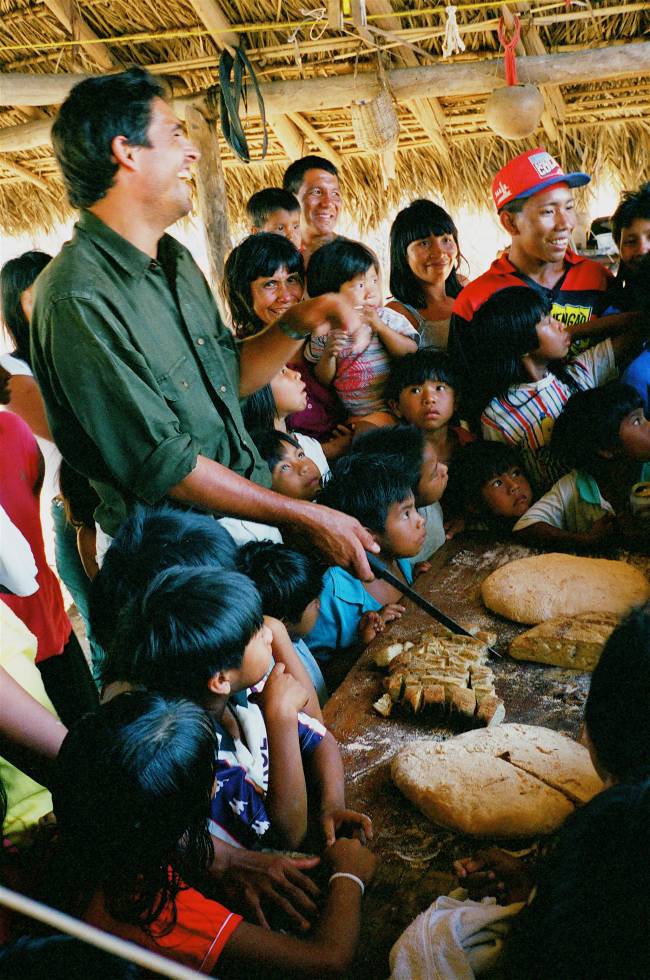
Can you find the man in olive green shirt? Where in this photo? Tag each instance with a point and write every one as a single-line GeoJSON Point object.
{"type": "Point", "coordinates": [141, 380]}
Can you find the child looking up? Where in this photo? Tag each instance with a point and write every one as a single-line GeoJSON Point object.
{"type": "Point", "coordinates": [604, 437]}
{"type": "Point", "coordinates": [292, 472]}
{"type": "Point", "coordinates": [515, 353]}
{"type": "Point", "coordinates": [487, 484]}
{"type": "Point", "coordinates": [405, 446]}
{"type": "Point", "coordinates": [290, 584]}
{"type": "Point", "coordinates": [276, 211]}
{"type": "Point", "coordinates": [423, 390]}
{"type": "Point", "coordinates": [357, 364]}
{"type": "Point", "coordinates": [132, 803]}
{"type": "Point", "coordinates": [380, 496]}
{"type": "Point", "coordinates": [199, 633]}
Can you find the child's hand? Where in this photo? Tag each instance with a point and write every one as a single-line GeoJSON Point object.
{"type": "Point", "coordinates": [339, 442]}
{"type": "Point", "coordinates": [421, 568]}
{"type": "Point", "coordinates": [337, 341]}
{"type": "Point", "coordinates": [352, 824]}
{"type": "Point", "coordinates": [369, 314]}
{"type": "Point", "coordinates": [454, 526]}
{"type": "Point", "coordinates": [494, 872]}
{"type": "Point", "coordinates": [372, 623]}
{"type": "Point", "coordinates": [349, 855]}
{"type": "Point", "coordinates": [283, 695]}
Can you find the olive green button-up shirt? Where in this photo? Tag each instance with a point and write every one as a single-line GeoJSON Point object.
{"type": "Point", "coordinates": [138, 373]}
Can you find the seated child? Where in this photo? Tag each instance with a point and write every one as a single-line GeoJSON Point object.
{"type": "Point", "coordinates": [423, 390]}
{"type": "Point", "coordinates": [588, 916]}
{"type": "Point", "coordinates": [132, 802]}
{"type": "Point", "coordinates": [290, 584]}
{"type": "Point", "coordinates": [405, 446]}
{"type": "Point", "coordinates": [267, 409]}
{"type": "Point", "coordinates": [380, 497]}
{"type": "Point", "coordinates": [276, 211]}
{"type": "Point", "coordinates": [515, 355]}
{"type": "Point", "coordinates": [357, 364]}
{"type": "Point", "coordinates": [199, 633]}
{"type": "Point", "coordinates": [604, 437]}
{"type": "Point", "coordinates": [293, 473]}
{"type": "Point", "coordinates": [487, 485]}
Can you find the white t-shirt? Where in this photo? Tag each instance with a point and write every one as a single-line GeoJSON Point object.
{"type": "Point", "coordinates": [311, 447]}
{"type": "Point", "coordinates": [17, 566]}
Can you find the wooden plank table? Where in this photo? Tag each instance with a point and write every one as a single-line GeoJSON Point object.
{"type": "Point", "coordinates": [415, 855]}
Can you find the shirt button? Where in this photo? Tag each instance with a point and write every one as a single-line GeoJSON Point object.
{"type": "Point", "coordinates": [153, 265]}
{"type": "Point", "coordinates": [185, 384]}
{"type": "Point", "coordinates": [223, 389]}
{"type": "Point", "coordinates": [200, 341]}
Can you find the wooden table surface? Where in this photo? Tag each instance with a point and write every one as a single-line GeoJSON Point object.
{"type": "Point", "coordinates": [415, 855]}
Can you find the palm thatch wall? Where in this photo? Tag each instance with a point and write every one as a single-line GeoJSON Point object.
{"type": "Point", "coordinates": [445, 147]}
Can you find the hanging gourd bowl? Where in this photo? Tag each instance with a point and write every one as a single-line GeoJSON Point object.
{"type": "Point", "coordinates": [514, 111]}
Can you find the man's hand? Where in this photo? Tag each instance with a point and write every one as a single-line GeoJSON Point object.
{"type": "Point", "coordinates": [328, 312]}
{"type": "Point", "coordinates": [494, 872]}
{"type": "Point", "coordinates": [350, 822]}
{"type": "Point", "coordinates": [273, 880]}
{"type": "Point", "coordinates": [341, 538]}
{"type": "Point", "coordinates": [339, 442]}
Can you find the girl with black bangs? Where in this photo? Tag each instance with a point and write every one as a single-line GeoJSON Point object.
{"type": "Point", "coordinates": [424, 260]}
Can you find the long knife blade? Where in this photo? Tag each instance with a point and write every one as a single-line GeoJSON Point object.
{"type": "Point", "coordinates": [381, 571]}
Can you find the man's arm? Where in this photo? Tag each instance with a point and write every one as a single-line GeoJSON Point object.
{"type": "Point", "coordinates": [214, 487]}
{"type": "Point", "coordinates": [605, 326]}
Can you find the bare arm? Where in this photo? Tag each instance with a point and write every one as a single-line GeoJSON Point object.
{"type": "Point", "coordinates": [395, 343]}
{"type": "Point", "coordinates": [26, 400]}
{"type": "Point", "coordinates": [542, 535]}
{"type": "Point", "coordinates": [325, 369]}
{"type": "Point", "coordinates": [284, 652]}
{"type": "Point", "coordinates": [604, 326]}
{"type": "Point", "coordinates": [326, 770]}
{"type": "Point", "coordinates": [30, 736]}
{"type": "Point", "coordinates": [214, 487]}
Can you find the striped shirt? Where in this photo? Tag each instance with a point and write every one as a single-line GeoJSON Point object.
{"type": "Point", "coordinates": [524, 416]}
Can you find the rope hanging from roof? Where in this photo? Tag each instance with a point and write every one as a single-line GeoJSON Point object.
{"type": "Point", "coordinates": [452, 42]}
{"type": "Point", "coordinates": [513, 112]}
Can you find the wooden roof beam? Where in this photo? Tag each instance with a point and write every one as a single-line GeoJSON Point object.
{"type": "Point", "coordinates": [290, 138]}
{"type": "Point", "coordinates": [216, 23]}
{"type": "Point", "coordinates": [316, 138]}
{"type": "Point", "coordinates": [68, 16]}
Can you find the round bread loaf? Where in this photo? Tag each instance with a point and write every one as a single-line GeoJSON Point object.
{"type": "Point", "coordinates": [534, 589]}
{"type": "Point", "coordinates": [509, 781]}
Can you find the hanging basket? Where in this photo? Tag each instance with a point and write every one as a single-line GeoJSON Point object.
{"type": "Point", "coordinates": [374, 121]}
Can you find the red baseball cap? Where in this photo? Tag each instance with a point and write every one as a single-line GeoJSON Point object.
{"type": "Point", "coordinates": [530, 173]}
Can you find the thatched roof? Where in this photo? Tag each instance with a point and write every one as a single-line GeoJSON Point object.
{"type": "Point", "coordinates": [445, 146]}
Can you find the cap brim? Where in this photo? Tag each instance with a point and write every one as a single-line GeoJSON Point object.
{"type": "Point", "coordinates": [573, 180]}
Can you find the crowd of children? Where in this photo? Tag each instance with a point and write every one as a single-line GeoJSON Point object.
{"type": "Point", "coordinates": [446, 408]}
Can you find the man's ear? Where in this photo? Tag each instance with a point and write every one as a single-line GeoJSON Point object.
{"type": "Point", "coordinates": [219, 683]}
{"type": "Point", "coordinates": [124, 153]}
{"type": "Point", "coordinates": [508, 222]}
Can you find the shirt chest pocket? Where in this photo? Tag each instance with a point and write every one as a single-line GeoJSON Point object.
{"type": "Point", "coordinates": [177, 380]}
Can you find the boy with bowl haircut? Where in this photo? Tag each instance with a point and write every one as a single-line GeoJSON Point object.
{"type": "Point", "coordinates": [487, 483]}
{"type": "Point", "coordinates": [293, 473]}
{"type": "Point", "coordinates": [200, 634]}
{"type": "Point", "coordinates": [604, 436]}
{"type": "Point", "coordinates": [276, 211]}
{"type": "Point", "coordinates": [289, 583]}
{"type": "Point", "coordinates": [380, 496]}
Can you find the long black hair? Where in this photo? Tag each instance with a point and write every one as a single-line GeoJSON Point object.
{"type": "Point", "coordinates": [258, 255]}
{"type": "Point", "coordinates": [420, 219]}
{"type": "Point", "coordinates": [132, 799]}
{"type": "Point", "coordinates": [16, 276]}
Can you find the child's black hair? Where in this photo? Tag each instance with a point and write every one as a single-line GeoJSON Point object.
{"type": "Point", "coordinates": [590, 423]}
{"type": "Point", "coordinates": [633, 205]}
{"type": "Point", "coordinates": [259, 410]}
{"type": "Point", "coordinates": [616, 713]}
{"type": "Point", "coordinates": [287, 580]}
{"type": "Point", "coordinates": [421, 219]}
{"type": "Point", "coordinates": [427, 364]}
{"type": "Point", "coordinates": [336, 263]}
{"type": "Point", "coordinates": [271, 445]}
{"type": "Point", "coordinates": [398, 445]}
{"type": "Point", "coordinates": [472, 467]}
{"type": "Point", "coordinates": [189, 624]}
{"type": "Point", "coordinates": [366, 487]}
{"type": "Point", "coordinates": [148, 541]}
{"type": "Point", "coordinates": [258, 255]}
{"type": "Point", "coordinates": [16, 276]}
{"type": "Point", "coordinates": [261, 205]}
{"type": "Point", "coordinates": [295, 172]}
{"type": "Point", "coordinates": [132, 799]}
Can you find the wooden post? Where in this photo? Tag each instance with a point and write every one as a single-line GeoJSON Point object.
{"type": "Point", "coordinates": [211, 190]}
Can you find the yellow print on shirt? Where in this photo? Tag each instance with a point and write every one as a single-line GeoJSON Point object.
{"type": "Point", "coordinates": [571, 314]}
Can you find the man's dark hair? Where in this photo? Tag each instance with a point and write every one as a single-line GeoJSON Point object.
{"type": "Point", "coordinates": [421, 219]}
{"type": "Point", "coordinates": [16, 276]}
{"type": "Point", "coordinates": [633, 205]}
{"type": "Point", "coordinates": [286, 579]}
{"type": "Point", "coordinates": [398, 445]}
{"type": "Point", "coordinates": [189, 624]}
{"type": "Point", "coordinates": [472, 467]}
{"type": "Point", "coordinates": [295, 172]}
{"type": "Point", "coordinates": [366, 487]}
{"type": "Point", "coordinates": [516, 206]}
{"type": "Point", "coordinates": [94, 113]}
{"type": "Point", "coordinates": [258, 255]}
{"type": "Point", "coordinates": [271, 445]}
{"type": "Point", "coordinates": [427, 364]}
{"type": "Point", "coordinates": [263, 204]}
{"type": "Point", "coordinates": [337, 262]}
{"type": "Point", "coordinates": [590, 423]}
{"type": "Point", "coordinates": [148, 541]}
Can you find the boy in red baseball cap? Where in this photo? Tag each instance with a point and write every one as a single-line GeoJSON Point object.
{"type": "Point", "coordinates": [534, 199]}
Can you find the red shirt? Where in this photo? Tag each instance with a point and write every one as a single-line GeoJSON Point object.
{"type": "Point", "coordinates": [42, 613]}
